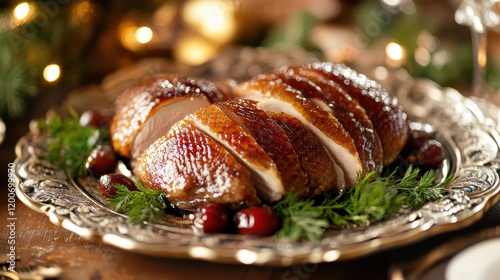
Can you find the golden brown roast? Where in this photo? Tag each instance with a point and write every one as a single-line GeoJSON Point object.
{"type": "Point", "coordinates": [306, 129]}
{"type": "Point", "coordinates": [276, 96]}
{"type": "Point", "coordinates": [271, 138]}
{"type": "Point", "coordinates": [330, 96]}
{"type": "Point", "coordinates": [384, 111]}
{"type": "Point", "coordinates": [169, 97]}
{"type": "Point", "coordinates": [315, 161]}
{"type": "Point", "coordinates": [216, 124]}
{"type": "Point", "coordinates": [194, 170]}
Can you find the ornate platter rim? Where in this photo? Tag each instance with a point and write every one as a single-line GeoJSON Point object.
{"type": "Point", "coordinates": [42, 188]}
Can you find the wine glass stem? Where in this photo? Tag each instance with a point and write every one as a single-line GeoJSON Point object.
{"type": "Point", "coordinates": [479, 86]}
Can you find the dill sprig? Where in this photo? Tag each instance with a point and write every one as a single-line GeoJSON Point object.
{"type": "Point", "coordinates": [300, 218]}
{"type": "Point", "coordinates": [418, 192]}
{"type": "Point", "coordinates": [142, 205]}
{"type": "Point", "coordinates": [70, 144]}
{"type": "Point", "coordinates": [372, 199]}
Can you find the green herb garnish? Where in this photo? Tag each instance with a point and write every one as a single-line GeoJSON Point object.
{"type": "Point", "coordinates": [372, 199]}
{"type": "Point", "coordinates": [142, 205]}
{"type": "Point", "coordinates": [300, 218]}
{"type": "Point", "coordinates": [70, 144]}
{"type": "Point", "coordinates": [418, 192]}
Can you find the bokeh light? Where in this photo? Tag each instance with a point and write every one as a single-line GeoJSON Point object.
{"type": "Point", "coordinates": [51, 72]}
{"type": "Point", "coordinates": [396, 55]}
{"type": "Point", "coordinates": [143, 34]}
{"type": "Point", "coordinates": [213, 19]}
{"type": "Point", "coordinates": [194, 50]}
{"type": "Point", "coordinates": [21, 11]}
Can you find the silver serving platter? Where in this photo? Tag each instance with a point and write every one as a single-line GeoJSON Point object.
{"type": "Point", "coordinates": [470, 137]}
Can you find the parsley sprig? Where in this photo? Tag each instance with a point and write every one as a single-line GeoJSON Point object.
{"type": "Point", "coordinates": [70, 144]}
{"type": "Point", "coordinates": [142, 205]}
{"type": "Point", "coordinates": [372, 199]}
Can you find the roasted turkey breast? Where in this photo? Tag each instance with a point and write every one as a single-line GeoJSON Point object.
{"type": "Point", "coordinates": [384, 111]}
{"type": "Point", "coordinates": [216, 124]}
{"type": "Point", "coordinates": [276, 96]}
{"type": "Point", "coordinates": [305, 129]}
{"type": "Point", "coordinates": [271, 138]}
{"type": "Point", "coordinates": [330, 96]}
{"type": "Point", "coordinates": [320, 168]}
{"type": "Point", "coordinates": [169, 97]}
{"type": "Point", "coordinates": [193, 170]}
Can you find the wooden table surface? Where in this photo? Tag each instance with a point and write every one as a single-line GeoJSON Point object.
{"type": "Point", "coordinates": [39, 242]}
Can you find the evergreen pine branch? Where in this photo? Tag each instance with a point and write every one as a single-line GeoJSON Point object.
{"type": "Point", "coordinates": [16, 83]}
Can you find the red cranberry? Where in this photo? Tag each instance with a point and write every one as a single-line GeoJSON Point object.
{"type": "Point", "coordinates": [94, 118]}
{"type": "Point", "coordinates": [211, 218]}
{"type": "Point", "coordinates": [101, 160]}
{"type": "Point", "coordinates": [431, 155]}
{"type": "Point", "coordinates": [107, 184]}
{"type": "Point", "coordinates": [417, 138]}
{"type": "Point", "coordinates": [257, 220]}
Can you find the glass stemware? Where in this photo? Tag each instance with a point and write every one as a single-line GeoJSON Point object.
{"type": "Point", "coordinates": [479, 15]}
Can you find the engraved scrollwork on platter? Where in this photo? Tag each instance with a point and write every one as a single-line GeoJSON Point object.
{"type": "Point", "coordinates": [472, 145]}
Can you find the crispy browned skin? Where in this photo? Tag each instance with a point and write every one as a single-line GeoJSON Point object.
{"type": "Point", "coordinates": [215, 123]}
{"type": "Point", "coordinates": [193, 170]}
{"type": "Point", "coordinates": [314, 159]}
{"type": "Point", "coordinates": [271, 138]}
{"type": "Point", "coordinates": [136, 105]}
{"type": "Point", "coordinates": [347, 111]}
{"type": "Point", "coordinates": [269, 90]}
{"type": "Point", "coordinates": [384, 111]}
{"type": "Point", "coordinates": [226, 87]}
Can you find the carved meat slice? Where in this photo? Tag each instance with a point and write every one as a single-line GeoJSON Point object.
{"type": "Point", "coordinates": [315, 160]}
{"type": "Point", "coordinates": [216, 124]}
{"type": "Point", "coordinates": [135, 107]}
{"type": "Point", "coordinates": [384, 111]}
{"type": "Point", "coordinates": [330, 96]}
{"type": "Point", "coordinates": [271, 138]}
{"type": "Point", "coordinates": [193, 170]}
{"type": "Point", "coordinates": [171, 111]}
{"type": "Point", "coordinates": [275, 96]}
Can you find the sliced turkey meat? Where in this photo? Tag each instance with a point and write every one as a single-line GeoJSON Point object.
{"type": "Point", "coordinates": [384, 111]}
{"type": "Point", "coordinates": [305, 129]}
{"type": "Point", "coordinates": [315, 160]}
{"type": "Point", "coordinates": [330, 96]}
{"type": "Point", "coordinates": [276, 96]}
{"type": "Point", "coordinates": [163, 119]}
{"type": "Point", "coordinates": [137, 105]}
{"type": "Point", "coordinates": [194, 170]}
{"type": "Point", "coordinates": [271, 138]}
{"type": "Point", "coordinates": [216, 124]}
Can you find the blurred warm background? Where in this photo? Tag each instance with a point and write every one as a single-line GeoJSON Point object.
{"type": "Point", "coordinates": [48, 48]}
